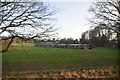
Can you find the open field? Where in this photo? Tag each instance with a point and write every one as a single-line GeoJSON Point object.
{"type": "Point", "coordinates": [30, 58]}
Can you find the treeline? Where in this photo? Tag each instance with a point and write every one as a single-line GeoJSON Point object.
{"type": "Point", "coordinates": [32, 41]}
{"type": "Point", "coordinates": [105, 22]}
{"type": "Point", "coordinates": [61, 41]}
{"type": "Point", "coordinates": [100, 36]}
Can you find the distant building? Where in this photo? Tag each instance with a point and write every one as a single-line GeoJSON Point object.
{"type": "Point", "coordinates": [74, 46]}
{"type": "Point", "coordinates": [77, 46]}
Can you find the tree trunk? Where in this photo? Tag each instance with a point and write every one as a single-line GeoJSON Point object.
{"type": "Point", "coordinates": [118, 37]}
{"type": "Point", "coordinates": [118, 41]}
{"type": "Point", "coordinates": [8, 45]}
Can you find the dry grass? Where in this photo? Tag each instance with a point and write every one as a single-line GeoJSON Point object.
{"type": "Point", "coordinates": [107, 72]}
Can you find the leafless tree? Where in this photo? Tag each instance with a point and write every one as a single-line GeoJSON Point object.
{"type": "Point", "coordinates": [107, 14]}
{"type": "Point", "coordinates": [26, 20]}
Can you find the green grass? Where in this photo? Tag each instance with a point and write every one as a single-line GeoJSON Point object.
{"type": "Point", "coordinates": [30, 58]}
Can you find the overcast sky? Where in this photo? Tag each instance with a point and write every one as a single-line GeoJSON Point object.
{"type": "Point", "coordinates": [72, 18]}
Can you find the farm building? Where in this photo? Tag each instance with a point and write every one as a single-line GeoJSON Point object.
{"type": "Point", "coordinates": [74, 46]}
{"type": "Point", "coordinates": [68, 45]}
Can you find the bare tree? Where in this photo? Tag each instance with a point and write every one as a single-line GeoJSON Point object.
{"type": "Point", "coordinates": [107, 14]}
{"type": "Point", "coordinates": [26, 20]}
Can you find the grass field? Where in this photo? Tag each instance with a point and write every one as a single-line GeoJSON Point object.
{"type": "Point", "coordinates": [31, 58]}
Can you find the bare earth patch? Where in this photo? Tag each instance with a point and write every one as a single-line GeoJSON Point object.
{"type": "Point", "coordinates": [108, 72]}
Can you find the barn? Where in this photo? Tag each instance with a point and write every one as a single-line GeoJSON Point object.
{"type": "Point", "coordinates": [74, 46]}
